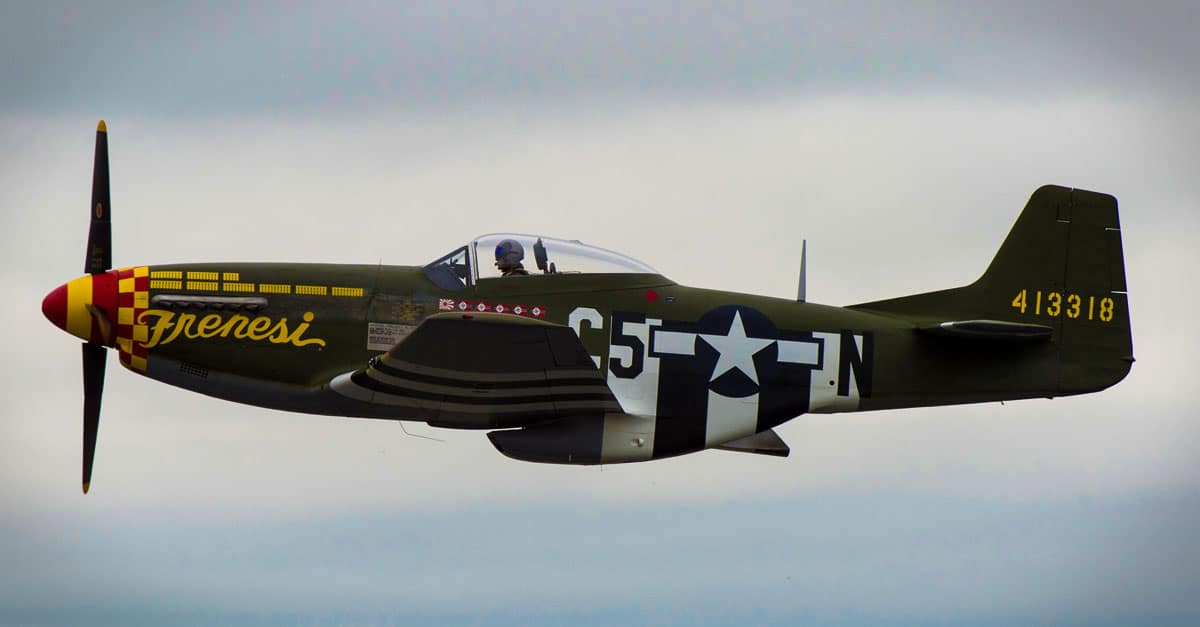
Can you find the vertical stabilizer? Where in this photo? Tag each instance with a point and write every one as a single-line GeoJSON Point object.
{"type": "Point", "coordinates": [1061, 267]}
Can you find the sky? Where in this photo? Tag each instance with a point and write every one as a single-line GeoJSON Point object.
{"type": "Point", "coordinates": [706, 139]}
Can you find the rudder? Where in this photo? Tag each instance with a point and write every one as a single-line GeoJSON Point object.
{"type": "Point", "coordinates": [1097, 339]}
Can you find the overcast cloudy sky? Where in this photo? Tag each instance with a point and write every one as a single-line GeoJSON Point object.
{"type": "Point", "coordinates": [706, 139]}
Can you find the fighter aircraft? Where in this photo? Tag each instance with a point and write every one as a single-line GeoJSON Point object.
{"type": "Point", "coordinates": [591, 357]}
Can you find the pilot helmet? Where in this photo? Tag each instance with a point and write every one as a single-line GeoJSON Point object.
{"type": "Point", "coordinates": [509, 254]}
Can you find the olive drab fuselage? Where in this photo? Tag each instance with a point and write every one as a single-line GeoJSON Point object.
{"type": "Point", "coordinates": [572, 354]}
{"type": "Point", "coordinates": [648, 369]}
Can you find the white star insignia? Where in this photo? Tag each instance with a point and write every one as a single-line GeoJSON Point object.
{"type": "Point", "coordinates": [736, 350]}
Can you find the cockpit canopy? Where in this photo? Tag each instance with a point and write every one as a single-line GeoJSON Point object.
{"type": "Point", "coordinates": [542, 256]}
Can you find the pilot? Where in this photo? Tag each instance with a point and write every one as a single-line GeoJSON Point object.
{"type": "Point", "coordinates": [509, 254]}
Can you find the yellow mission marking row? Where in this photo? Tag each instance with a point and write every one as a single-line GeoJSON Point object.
{"type": "Point", "coordinates": [231, 282]}
{"type": "Point", "coordinates": [194, 275]}
{"type": "Point", "coordinates": [1055, 304]}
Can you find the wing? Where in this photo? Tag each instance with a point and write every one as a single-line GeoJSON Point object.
{"type": "Point", "coordinates": [483, 371]}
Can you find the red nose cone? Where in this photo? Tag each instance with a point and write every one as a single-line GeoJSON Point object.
{"type": "Point", "coordinates": [54, 306]}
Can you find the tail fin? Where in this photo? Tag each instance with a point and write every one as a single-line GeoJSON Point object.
{"type": "Point", "coordinates": [1061, 267]}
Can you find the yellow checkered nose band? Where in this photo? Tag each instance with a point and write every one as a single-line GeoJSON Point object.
{"type": "Point", "coordinates": [133, 297]}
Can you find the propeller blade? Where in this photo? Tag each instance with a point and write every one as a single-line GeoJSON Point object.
{"type": "Point", "coordinates": [99, 246]}
{"type": "Point", "coordinates": [93, 386]}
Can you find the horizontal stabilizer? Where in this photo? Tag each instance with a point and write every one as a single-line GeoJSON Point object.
{"type": "Point", "coordinates": [992, 330]}
{"type": "Point", "coordinates": [763, 443]}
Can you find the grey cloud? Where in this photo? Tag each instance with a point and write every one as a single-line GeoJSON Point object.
{"type": "Point", "coordinates": [187, 59]}
{"type": "Point", "coordinates": [860, 558]}
{"type": "Point", "coordinates": [203, 502]}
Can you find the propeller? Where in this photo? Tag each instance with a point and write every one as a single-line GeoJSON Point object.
{"type": "Point", "coordinates": [98, 260]}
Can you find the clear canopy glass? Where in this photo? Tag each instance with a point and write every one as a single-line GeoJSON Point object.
{"type": "Point", "coordinates": [539, 255]}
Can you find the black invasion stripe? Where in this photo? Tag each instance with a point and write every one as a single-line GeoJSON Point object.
{"type": "Point", "coordinates": [483, 385]}
{"type": "Point", "coordinates": [361, 379]}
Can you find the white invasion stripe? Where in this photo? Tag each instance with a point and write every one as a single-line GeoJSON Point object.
{"type": "Point", "coordinates": [344, 386]}
{"type": "Point", "coordinates": [822, 392]}
{"type": "Point", "coordinates": [639, 395]}
{"type": "Point", "coordinates": [533, 377]}
{"type": "Point", "coordinates": [627, 438]}
{"type": "Point", "coordinates": [517, 408]}
{"type": "Point", "coordinates": [808, 353]}
{"type": "Point", "coordinates": [532, 390]}
{"type": "Point", "coordinates": [382, 398]}
{"type": "Point", "coordinates": [730, 418]}
{"type": "Point", "coordinates": [674, 342]}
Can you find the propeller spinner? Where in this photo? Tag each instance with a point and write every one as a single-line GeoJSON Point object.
{"type": "Point", "coordinates": [86, 306]}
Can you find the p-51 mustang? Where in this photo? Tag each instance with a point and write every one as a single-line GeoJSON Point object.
{"type": "Point", "coordinates": [591, 357]}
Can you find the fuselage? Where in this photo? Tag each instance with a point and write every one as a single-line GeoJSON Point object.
{"type": "Point", "coordinates": [277, 334]}
{"type": "Point", "coordinates": [594, 357]}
